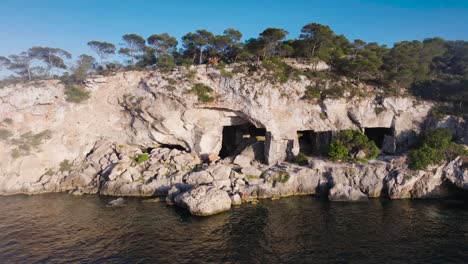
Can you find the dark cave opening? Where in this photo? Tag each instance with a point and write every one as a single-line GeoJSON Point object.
{"type": "Point", "coordinates": [314, 143]}
{"type": "Point", "coordinates": [171, 146]}
{"type": "Point", "coordinates": [377, 134]}
{"type": "Point", "coordinates": [238, 137]}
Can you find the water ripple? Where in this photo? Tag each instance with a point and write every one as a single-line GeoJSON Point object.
{"type": "Point", "coordinates": [58, 228]}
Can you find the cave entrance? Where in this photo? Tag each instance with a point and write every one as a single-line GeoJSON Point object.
{"type": "Point", "coordinates": [236, 138]}
{"type": "Point", "coordinates": [314, 143]}
{"type": "Point", "coordinates": [377, 134]}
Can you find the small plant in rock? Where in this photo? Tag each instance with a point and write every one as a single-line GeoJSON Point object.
{"type": "Point", "coordinates": [29, 141]}
{"type": "Point", "coordinates": [191, 74]}
{"type": "Point", "coordinates": [312, 92]}
{"type": "Point", "coordinates": [283, 177]}
{"type": "Point", "coordinates": [323, 115]}
{"type": "Point", "coordinates": [49, 172]}
{"type": "Point", "coordinates": [8, 121]}
{"type": "Point", "coordinates": [5, 134]}
{"type": "Point", "coordinates": [203, 92]}
{"type": "Point", "coordinates": [65, 165]}
{"type": "Point", "coordinates": [301, 159]}
{"type": "Point", "coordinates": [251, 177]}
{"type": "Point", "coordinates": [141, 158]}
{"type": "Point", "coordinates": [76, 94]}
{"type": "Point", "coordinates": [378, 110]}
{"type": "Point", "coordinates": [15, 153]}
{"type": "Point", "coordinates": [352, 146]}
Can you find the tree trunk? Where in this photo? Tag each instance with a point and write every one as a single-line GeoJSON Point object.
{"type": "Point", "coordinates": [313, 51]}
{"type": "Point", "coordinates": [29, 73]}
{"type": "Point", "coordinates": [194, 56]}
{"type": "Point", "coordinates": [201, 56]}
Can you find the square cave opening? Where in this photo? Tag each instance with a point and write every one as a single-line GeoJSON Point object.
{"type": "Point", "coordinates": [237, 137]}
{"type": "Point", "coordinates": [377, 134]}
{"type": "Point", "coordinates": [314, 143]}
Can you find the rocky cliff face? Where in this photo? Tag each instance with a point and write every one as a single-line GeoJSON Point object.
{"type": "Point", "coordinates": [48, 144]}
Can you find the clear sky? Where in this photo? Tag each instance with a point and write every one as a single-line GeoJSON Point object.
{"type": "Point", "coordinates": [69, 24]}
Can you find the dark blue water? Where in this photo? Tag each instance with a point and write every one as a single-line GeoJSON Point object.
{"type": "Point", "coordinates": [60, 228]}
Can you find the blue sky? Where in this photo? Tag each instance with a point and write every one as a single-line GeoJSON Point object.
{"type": "Point", "coordinates": [69, 24]}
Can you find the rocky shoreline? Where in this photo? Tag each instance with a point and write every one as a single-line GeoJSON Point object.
{"type": "Point", "coordinates": [145, 134]}
{"type": "Point", "coordinates": [181, 179]}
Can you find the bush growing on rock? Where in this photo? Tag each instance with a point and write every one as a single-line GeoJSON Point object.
{"type": "Point", "coordinates": [76, 94]}
{"type": "Point", "coordinates": [65, 165]}
{"type": "Point", "coordinates": [312, 92]}
{"type": "Point", "coordinates": [301, 159]}
{"type": "Point", "coordinates": [353, 146]}
{"type": "Point", "coordinates": [436, 147]}
{"type": "Point", "coordinates": [141, 158]}
{"type": "Point", "coordinates": [5, 134]}
{"type": "Point", "coordinates": [203, 92]}
{"type": "Point", "coordinates": [166, 62]}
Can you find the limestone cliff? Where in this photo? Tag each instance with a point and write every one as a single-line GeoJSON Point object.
{"type": "Point", "coordinates": [49, 144]}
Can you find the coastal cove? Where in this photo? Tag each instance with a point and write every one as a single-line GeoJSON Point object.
{"type": "Point", "coordinates": [53, 228]}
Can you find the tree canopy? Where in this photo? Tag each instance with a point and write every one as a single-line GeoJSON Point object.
{"type": "Point", "coordinates": [433, 68]}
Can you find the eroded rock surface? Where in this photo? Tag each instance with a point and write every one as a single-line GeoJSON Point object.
{"type": "Point", "coordinates": [144, 134]}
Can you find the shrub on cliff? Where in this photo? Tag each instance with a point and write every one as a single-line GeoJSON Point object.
{"type": "Point", "coordinates": [166, 62]}
{"type": "Point", "coordinates": [76, 94]}
{"type": "Point", "coordinates": [203, 92]}
{"type": "Point", "coordinates": [312, 92]}
{"type": "Point", "coordinates": [353, 146]}
{"type": "Point", "coordinates": [436, 147]}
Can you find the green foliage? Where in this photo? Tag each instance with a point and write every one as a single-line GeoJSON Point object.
{"type": "Point", "coordinates": [162, 44]}
{"type": "Point", "coordinates": [28, 142]}
{"type": "Point", "coordinates": [49, 172]}
{"type": "Point", "coordinates": [346, 144]}
{"type": "Point", "coordinates": [439, 138]}
{"type": "Point", "coordinates": [323, 115]}
{"type": "Point", "coordinates": [435, 148]}
{"type": "Point", "coordinates": [312, 92]}
{"type": "Point", "coordinates": [102, 49]}
{"type": "Point", "coordinates": [165, 62]}
{"type": "Point", "coordinates": [16, 153]}
{"type": "Point", "coordinates": [65, 165]}
{"type": "Point", "coordinates": [191, 74]}
{"type": "Point", "coordinates": [334, 92]}
{"type": "Point", "coordinates": [203, 92]}
{"type": "Point", "coordinates": [378, 110]}
{"type": "Point", "coordinates": [141, 158]}
{"type": "Point", "coordinates": [76, 94]}
{"type": "Point", "coordinates": [133, 47]}
{"type": "Point", "coordinates": [251, 177]}
{"type": "Point", "coordinates": [278, 70]}
{"type": "Point", "coordinates": [84, 65]}
{"type": "Point", "coordinates": [301, 159]}
{"type": "Point", "coordinates": [338, 151]}
{"type": "Point", "coordinates": [433, 69]}
{"type": "Point", "coordinates": [282, 177]}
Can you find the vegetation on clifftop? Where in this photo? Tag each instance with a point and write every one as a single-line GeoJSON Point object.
{"type": "Point", "coordinates": [434, 69]}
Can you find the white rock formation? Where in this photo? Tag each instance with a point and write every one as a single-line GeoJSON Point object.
{"type": "Point", "coordinates": [204, 200]}
{"type": "Point", "coordinates": [50, 145]}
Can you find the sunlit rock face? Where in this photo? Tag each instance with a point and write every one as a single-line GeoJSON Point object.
{"type": "Point", "coordinates": [50, 144]}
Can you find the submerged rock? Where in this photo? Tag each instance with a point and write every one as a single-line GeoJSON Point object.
{"type": "Point", "coordinates": [342, 193]}
{"type": "Point", "coordinates": [117, 202]}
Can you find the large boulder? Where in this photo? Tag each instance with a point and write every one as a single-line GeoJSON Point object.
{"type": "Point", "coordinates": [457, 173]}
{"type": "Point", "coordinates": [204, 200]}
{"type": "Point", "coordinates": [344, 193]}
